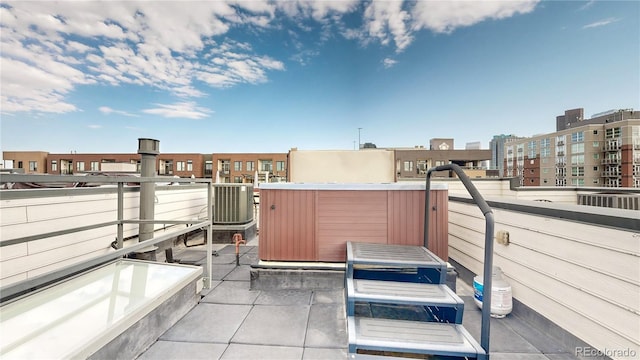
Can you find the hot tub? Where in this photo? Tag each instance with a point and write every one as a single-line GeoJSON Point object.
{"type": "Point", "coordinates": [313, 222]}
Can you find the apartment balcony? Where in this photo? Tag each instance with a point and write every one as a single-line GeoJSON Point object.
{"type": "Point", "coordinates": [610, 161]}
{"type": "Point", "coordinates": [611, 174]}
{"type": "Point", "coordinates": [611, 146]}
{"type": "Point", "coordinates": [560, 153]}
{"type": "Point", "coordinates": [560, 143]}
{"type": "Point", "coordinates": [561, 259]}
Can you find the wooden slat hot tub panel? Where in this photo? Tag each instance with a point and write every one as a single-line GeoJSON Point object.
{"type": "Point", "coordinates": [349, 216]}
{"type": "Point", "coordinates": [287, 231]}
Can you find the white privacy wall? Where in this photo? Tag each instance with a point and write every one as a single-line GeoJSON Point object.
{"type": "Point", "coordinates": [584, 278]}
{"type": "Point", "coordinates": [76, 208]}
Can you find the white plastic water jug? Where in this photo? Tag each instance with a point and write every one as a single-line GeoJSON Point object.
{"type": "Point", "coordinates": [501, 297]}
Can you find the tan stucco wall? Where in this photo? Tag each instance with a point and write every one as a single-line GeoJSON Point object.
{"type": "Point", "coordinates": [341, 166]}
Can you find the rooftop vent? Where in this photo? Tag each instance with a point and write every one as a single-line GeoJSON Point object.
{"type": "Point", "coordinates": [616, 201]}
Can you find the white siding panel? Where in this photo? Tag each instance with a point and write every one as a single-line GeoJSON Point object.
{"type": "Point", "coordinates": [593, 333]}
{"type": "Point", "coordinates": [12, 214]}
{"type": "Point", "coordinates": [107, 234]}
{"type": "Point", "coordinates": [42, 259]}
{"type": "Point", "coordinates": [582, 277]}
{"type": "Point", "coordinates": [13, 251]}
{"type": "Point", "coordinates": [38, 215]}
{"type": "Point", "coordinates": [72, 209]}
{"type": "Point", "coordinates": [60, 264]}
{"type": "Point", "coordinates": [615, 318]}
{"type": "Point", "coordinates": [614, 290]}
{"type": "Point", "coordinates": [12, 279]}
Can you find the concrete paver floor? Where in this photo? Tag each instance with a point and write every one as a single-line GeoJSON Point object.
{"type": "Point", "coordinates": [234, 322]}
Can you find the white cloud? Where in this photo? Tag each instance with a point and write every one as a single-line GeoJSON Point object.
{"type": "Point", "coordinates": [386, 21]}
{"type": "Point", "coordinates": [93, 126]}
{"type": "Point", "coordinates": [108, 111]}
{"type": "Point", "coordinates": [395, 22]}
{"type": "Point", "coordinates": [50, 48]}
{"type": "Point", "coordinates": [587, 5]}
{"type": "Point", "coordinates": [388, 62]}
{"type": "Point", "coordinates": [65, 44]}
{"type": "Point", "coordinates": [600, 23]}
{"type": "Point", "coordinates": [446, 16]}
{"type": "Point", "coordinates": [184, 110]}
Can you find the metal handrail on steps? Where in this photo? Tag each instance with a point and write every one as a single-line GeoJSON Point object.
{"type": "Point", "coordinates": [488, 244]}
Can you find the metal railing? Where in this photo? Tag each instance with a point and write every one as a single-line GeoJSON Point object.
{"type": "Point", "coordinates": [18, 289]}
{"type": "Point", "coordinates": [488, 244]}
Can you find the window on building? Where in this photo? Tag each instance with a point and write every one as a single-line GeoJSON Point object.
{"type": "Point", "coordinates": [189, 165]}
{"type": "Point", "coordinates": [532, 151]}
{"type": "Point", "coordinates": [180, 166]}
{"type": "Point", "coordinates": [80, 166]}
{"type": "Point", "coordinates": [280, 166]}
{"type": "Point", "coordinates": [596, 156]}
{"type": "Point", "coordinates": [54, 165]}
{"type": "Point", "coordinates": [596, 144]}
{"type": "Point", "coordinates": [596, 181]}
{"type": "Point", "coordinates": [251, 166]}
{"type": "Point", "coordinates": [544, 181]}
{"type": "Point", "coordinates": [19, 164]}
{"type": "Point", "coordinates": [595, 132]}
{"type": "Point", "coordinates": [408, 166]}
{"type": "Point", "coordinates": [595, 168]}
{"type": "Point", "coordinates": [577, 182]}
{"type": "Point", "coordinates": [166, 167]}
{"type": "Point", "coordinates": [33, 166]}
{"type": "Point", "coordinates": [577, 148]}
{"type": "Point", "coordinates": [421, 166]}
{"type": "Point", "coordinates": [577, 137]}
{"type": "Point", "coordinates": [577, 159]}
{"type": "Point", "coordinates": [612, 133]}
{"type": "Point", "coordinates": [237, 166]}
{"type": "Point", "coordinates": [266, 165]}
{"type": "Point", "coordinates": [577, 171]}
{"type": "Point", "coordinates": [439, 162]}
{"type": "Point", "coordinates": [94, 166]}
{"type": "Point", "coordinates": [208, 167]}
{"type": "Point", "coordinates": [224, 166]}
{"type": "Point", "coordinates": [237, 179]}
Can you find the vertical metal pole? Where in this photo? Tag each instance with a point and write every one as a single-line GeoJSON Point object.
{"type": "Point", "coordinates": [427, 211]}
{"type": "Point", "coordinates": [120, 215]}
{"type": "Point", "coordinates": [207, 283]}
{"type": "Point", "coordinates": [487, 282]}
{"type": "Point", "coordinates": [148, 149]}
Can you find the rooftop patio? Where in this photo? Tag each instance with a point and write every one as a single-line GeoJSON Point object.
{"type": "Point", "coordinates": [234, 322]}
{"type": "Point", "coordinates": [561, 259]}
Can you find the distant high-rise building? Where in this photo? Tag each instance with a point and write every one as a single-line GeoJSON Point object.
{"type": "Point", "coordinates": [476, 145]}
{"type": "Point", "coordinates": [601, 151]}
{"type": "Point", "coordinates": [496, 145]}
{"type": "Point", "coordinates": [573, 116]}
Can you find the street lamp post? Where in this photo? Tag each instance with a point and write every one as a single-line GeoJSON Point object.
{"type": "Point", "coordinates": [359, 143]}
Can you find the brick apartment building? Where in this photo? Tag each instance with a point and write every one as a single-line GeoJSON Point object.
{"type": "Point", "coordinates": [183, 164]}
{"type": "Point", "coordinates": [413, 163]}
{"type": "Point", "coordinates": [28, 162]}
{"type": "Point", "coordinates": [242, 167]}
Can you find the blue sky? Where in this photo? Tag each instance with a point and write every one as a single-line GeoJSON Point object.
{"type": "Point", "coordinates": [265, 76]}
